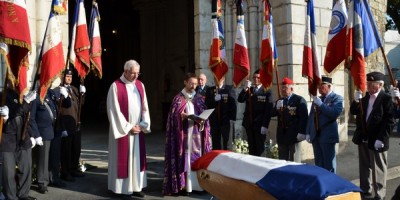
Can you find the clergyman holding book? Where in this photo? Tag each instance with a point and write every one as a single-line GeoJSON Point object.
{"type": "Point", "coordinates": [186, 140]}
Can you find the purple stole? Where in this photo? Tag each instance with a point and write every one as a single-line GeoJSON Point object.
{"type": "Point", "coordinates": [123, 142]}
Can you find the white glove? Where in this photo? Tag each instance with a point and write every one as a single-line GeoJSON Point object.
{"type": "Point", "coordinates": [217, 97]}
{"type": "Point", "coordinates": [248, 84]}
{"type": "Point", "coordinates": [64, 133]}
{"type": "Point", "coordinates": [279, 104]}
{"type": "Point", "coordinates": [33, 141]}
{"type": "Point", "coordinates": [30, 96]}
{"type": "Point", "coordinates": [4, 112]}
{"type": "Point", "coordinates": [357, 95]}
{"type": "Point", "coordinates": [39, 141]}
{"type": "Point", "coordinates": [308, 139]}
{"type": "Point", "coordinates": [378, 144]}
{"type": "Point", "coordinates": [82, 89]}
{"type": "Point", "coordinates": [394, 92]}
{"type": "Point", "coordinates": [317, 100]}
{"type": "Point", "coordinates": [300, 137]}
{"type": "Point", "coordinates": [264, 130]}
{"type": "Point", "coordinates": [64, 92]}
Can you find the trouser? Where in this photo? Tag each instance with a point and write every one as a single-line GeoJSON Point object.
{"type": "Point", "coordinates": [286, 152]}
{"type": "Point", "coordinates": [324, 155]}
{"type": "Point", "coordinates": [22, 179]}
{"type": "Point", "coordinates": [216, 133]}
{"type": "Point", "coordinates": [373, 171]}
{"type": "Point", "coordinates": [256, 142]}
{"type": "Point", "coordinates": [70, 152]}
{"type": "Point", "coordinates": [41, 155]}
{"type": "Point", "coordinates": [54, 159]}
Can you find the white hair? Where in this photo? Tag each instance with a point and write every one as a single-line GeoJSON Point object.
{"type": "Point", "coordinates": [131, 64]}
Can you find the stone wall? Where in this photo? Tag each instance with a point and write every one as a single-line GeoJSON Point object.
{"type": "Point", "coordinates": [289, 23]}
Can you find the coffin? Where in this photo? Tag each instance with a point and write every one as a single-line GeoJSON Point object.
{"type": "Point", "coordinates": [229, 176]}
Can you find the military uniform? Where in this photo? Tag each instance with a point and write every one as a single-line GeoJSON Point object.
{"type": "Point", "coordinates": [42, 122]}
{"type": "Point", "coordinates": [257, 114]}
{"type": "Point", "coordinates": [292, 120]}
{"type": "Point", "coordinates": [225, 111]}
{"type": "Point", "coordinates": [70, 145]}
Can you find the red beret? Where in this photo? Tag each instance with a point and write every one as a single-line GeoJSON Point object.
{"type": "Point", "coordinates": [287, 81]}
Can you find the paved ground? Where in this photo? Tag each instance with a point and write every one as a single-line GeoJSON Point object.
{"type": "Point", "coordinates": [94, 184]}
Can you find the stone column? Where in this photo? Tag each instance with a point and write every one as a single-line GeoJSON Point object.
{"type": "Point", "coordinates": [202, 37]}
{"type": "Point", "coordinates": [253, 39]}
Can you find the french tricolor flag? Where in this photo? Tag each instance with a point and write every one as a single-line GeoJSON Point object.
{"type": "Point", "coordinates": [269, 53]}
{"type": "Point", "coordinates": [282, 179]}
{"type": "Point", "coordinates": [240, 54]}
{"type": "Point", "coordinates": [217, 62]}
{"type": "Point", "coordinates": [311, 68]}
{"type": "Point", "coordinates": [52, 54]}
{"type": "Point", "coordinates": [362, 40]}
{"type": "Point", "coordinates": [337, 37]}
{"type": "Point", "coordinates": [95, 41]}
{"type": "Point", "coordinates": [80, 44]}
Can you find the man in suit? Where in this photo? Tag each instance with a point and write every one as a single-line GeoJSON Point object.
{"type": "Point", "coordinates": [292, 114]}
{"type": "Point", "coordinates": [374, 125]}
{"type": "Point", "coordinates": [257, 114]}
{"type": "Point", "coordinates": [202, 87]}
{"type": "Point", "coordinates": [322, 127]}
{"type": "Point", "coordinates": [222, 98]}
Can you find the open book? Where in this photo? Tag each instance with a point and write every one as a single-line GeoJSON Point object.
{"type": "Point", "coordinates": [203, 116]}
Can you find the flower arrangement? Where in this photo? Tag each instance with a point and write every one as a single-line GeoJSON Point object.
{"type": "Point", "coordinates": [240, 146]}
{"type": "Point", "coordinates": [271, 150]}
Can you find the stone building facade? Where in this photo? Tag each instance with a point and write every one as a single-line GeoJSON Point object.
{"type": "Point", "coordinates": [160, 40]}
{"type": "Point", "coordinates": [289, 24]}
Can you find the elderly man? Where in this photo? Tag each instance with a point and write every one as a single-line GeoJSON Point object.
{"type": "Point", "coordinates": [202, 87]}
{"type": "Point", "coordinates": [322, 128]}
{"type": "Point", "coordinates": [257, 114]}
{"type": "Point", "coordinates": [186, 140]}
{"type": "Point", "coordinates": [128, 114]}
{"type": "Point", "coordinates": [292, 114]}
{"type": "Point", "coordinates": [374, 125]}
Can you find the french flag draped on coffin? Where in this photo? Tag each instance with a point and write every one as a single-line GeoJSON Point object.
{"type": "Point", "coordinates": [282, 179]}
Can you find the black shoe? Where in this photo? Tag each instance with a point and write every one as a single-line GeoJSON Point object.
{"type": "Point", "coordinates": [138, 194]}
{"type": "Point", "coordinates": [77, 173]}
{"type": "Point", "coordinates": [184, 193]}
{"type": "Point", "coordinates": [67, 177]}
{"type": "Point", "coordinates": [42, 189]}
{"type": "Point", "coordinates": [28, 198]}
{"type": "Point", "coordinates": [58, 183]}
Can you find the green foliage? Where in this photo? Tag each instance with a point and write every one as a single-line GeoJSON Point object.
{"type": "Point", "coordinates": [393, 10]}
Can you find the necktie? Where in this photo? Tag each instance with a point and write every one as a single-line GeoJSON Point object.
{"type": "Point", "coordinates": [323, 99]}
{"type": "Point", "coordinates": [285, 101]}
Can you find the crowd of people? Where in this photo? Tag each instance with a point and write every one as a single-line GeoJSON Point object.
{"type": "Point", "coordinates": [43, 133]}
{"type": "Point", "coordinates": [46, 131]}
{"type": "Point", "coordinates": [189, 138]}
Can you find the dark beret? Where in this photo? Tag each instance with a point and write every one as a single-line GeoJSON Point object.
{"type": "Point", "coordinates": [375, 76]}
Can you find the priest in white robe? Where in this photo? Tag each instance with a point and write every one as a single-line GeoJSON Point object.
{"type": "Point", "coordinates": [129, 118]}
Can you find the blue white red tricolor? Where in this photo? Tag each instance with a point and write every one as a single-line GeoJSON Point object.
{"type": "Point", "coordinates": [311, 68]}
